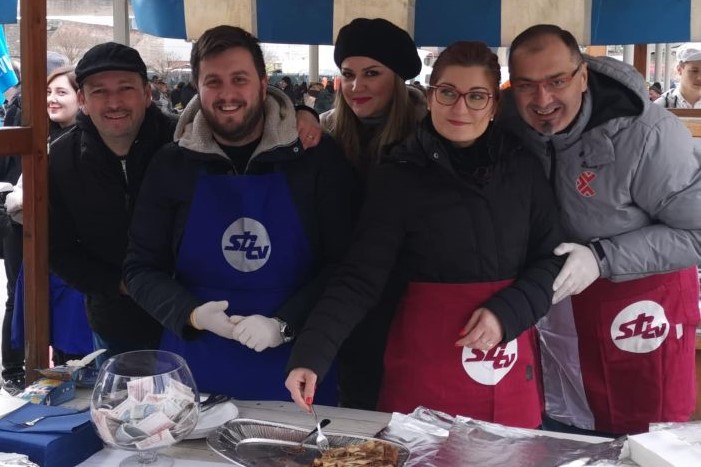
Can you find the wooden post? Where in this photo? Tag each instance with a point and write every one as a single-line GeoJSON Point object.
{"type": "Point", "coordinates": [35, 174]}
{"type": "Point", "coordinates": [640, 59]}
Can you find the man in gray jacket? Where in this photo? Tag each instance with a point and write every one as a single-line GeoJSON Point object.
{"type": "Point", "coordinates": [619, 353]}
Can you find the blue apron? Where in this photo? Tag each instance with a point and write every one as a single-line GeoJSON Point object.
{"type": "Point", "coordinates": [70, 331]}
{"type": "Point", "coordinates": [244, 243]}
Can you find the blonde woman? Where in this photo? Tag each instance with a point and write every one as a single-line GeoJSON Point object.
{"type": "Point", "coordinates": [374, 108]}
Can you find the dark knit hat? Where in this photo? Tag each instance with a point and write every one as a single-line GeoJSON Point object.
{"type": "Point", "coordinates": [109, 56]}
{"type": "Point", "coordinates": [380, 40]}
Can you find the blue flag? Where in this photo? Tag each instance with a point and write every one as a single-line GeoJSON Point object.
{"type": "Point", "coordinates": [7, 74]}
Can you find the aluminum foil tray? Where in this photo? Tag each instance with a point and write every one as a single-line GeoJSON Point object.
{"type": "Point", "coordinates": [248, 443]}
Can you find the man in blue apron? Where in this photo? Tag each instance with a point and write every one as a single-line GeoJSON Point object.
{"type": "Point", "coordinates": [237, 225]}
{"type": "Point", "coordinates": [620, 354]}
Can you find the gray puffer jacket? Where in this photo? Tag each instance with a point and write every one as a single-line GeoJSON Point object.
{"type": "Point", "coordinates": [625, 175]}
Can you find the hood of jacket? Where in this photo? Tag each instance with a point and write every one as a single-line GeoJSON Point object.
{"type": "Point", "coordinates": [279, 129]}
{"type": "Point", "coordinates": [616, 89]}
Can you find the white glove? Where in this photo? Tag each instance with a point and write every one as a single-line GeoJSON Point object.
{"type": "Point", "coordinates": [257, 332]}
{"type": "Point", "coordinates": [210, 316]}
{"type": "Point", "coordinates": [579, 271]}
{"type": "Point", "coordinates": [13, 201]}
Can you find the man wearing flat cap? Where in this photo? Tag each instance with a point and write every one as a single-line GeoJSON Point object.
{"type": "Point", "coordinates": [95, 171]}
{"type": "Point", "coordinates": [688, 94]}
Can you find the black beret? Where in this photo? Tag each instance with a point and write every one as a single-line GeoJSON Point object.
{"type": "Point", "coordinates": [380, 40]}
{"type": "Point", "coordinates": [109, 56]}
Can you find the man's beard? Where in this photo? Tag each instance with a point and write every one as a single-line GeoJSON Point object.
{"type": "Point", "coordinates": [251, 119]}
{"type": "Point", "coordinates": [546, 128]}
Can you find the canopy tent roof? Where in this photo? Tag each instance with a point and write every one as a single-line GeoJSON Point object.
{"type": "Point", "coordinates": [432, 22]}
{"type": "Point", "coordinates": [439, 22]}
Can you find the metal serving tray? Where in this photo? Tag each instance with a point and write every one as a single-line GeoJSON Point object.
{"type": "Point", "coordinates": [249, 443]}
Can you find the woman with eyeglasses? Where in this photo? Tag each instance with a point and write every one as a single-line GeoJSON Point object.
{"type": "Point", "coordinates": [466, 216]}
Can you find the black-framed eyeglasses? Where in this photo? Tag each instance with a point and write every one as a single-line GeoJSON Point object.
{"type": "Point", "coordinates": [448, 95]}
{"type": "Point", "coordinates": [524, 86]}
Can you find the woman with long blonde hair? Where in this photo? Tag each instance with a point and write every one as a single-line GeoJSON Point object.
{"type": "Point", "coordinates": [374, 108]}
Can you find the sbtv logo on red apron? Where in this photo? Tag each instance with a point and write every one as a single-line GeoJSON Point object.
{"type": "Point", "coordinates": [488, 367]}
{"type": "Point", "coordinates": [246, 245]}
{"type": "Point", "coordinates": [640, 327]}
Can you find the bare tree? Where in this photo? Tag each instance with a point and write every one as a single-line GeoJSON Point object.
{"type": "Point", "coordinates": [164, 64]}
{"type": "Point", "coordinates": [272, 62]}
{"type": "Point", "coordinates": [71, 42]}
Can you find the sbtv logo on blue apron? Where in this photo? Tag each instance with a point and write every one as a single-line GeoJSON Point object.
{"type": "Point", "coordinates": [488, 367]}
{"type": "Point", "coordinates": [640, 327]}
{"type": "Point", "coordinates": [246, 245]}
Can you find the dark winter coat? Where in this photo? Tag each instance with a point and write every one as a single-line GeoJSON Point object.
{"type": "Point", "coordinates": [424, 222]}
{"type": "Point", "coordinates": [90, 207]}
{"type": "Point", "coordinates": [321, 185]}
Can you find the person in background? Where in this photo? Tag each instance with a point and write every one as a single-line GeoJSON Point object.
{"type": "Point", "coordinates": [419, 86]}
{"type": "Point", "coordinates": [629, 190]}
{"type": "Point", "coordinates": [688, 94]}
{"type": "Point", "coordinates": [300, 91]}
{"type": "Point", "coordinates": [237, 226]}
{"type": "Point", "coordinates": [176, 96]}
{"type": "Point", "coordinates": [95, 173]}
{"type": "Point", "coordinates": [312, 94]}
{"type": "Point", "coordinates": [655, 91]}
{"type": "Point", "coordinates": [325, 98]}
{"type": "Point", "coordinates": [468, 215]}
{"type": "Point", "coordinates": [71, 338]}
{"type": "Point", "coordinates": [161, 97]}
{"type": "Point", "coordinates": [187, 92]}
{"type": "Point", "coordinates": [285, 84]}
{"type": "Point", "coordinates": [10, 171]}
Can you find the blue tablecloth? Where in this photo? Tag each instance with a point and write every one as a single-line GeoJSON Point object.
{"type": "Point", "coordinates": [64, 439]}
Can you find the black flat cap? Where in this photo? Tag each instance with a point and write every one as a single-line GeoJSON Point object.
{"type": "Point", "coordinates": [109, 56]}
{"type": "Point", "coordinates": [380, 40]}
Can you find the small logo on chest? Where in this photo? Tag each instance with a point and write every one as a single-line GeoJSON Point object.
{"type": "Point", "coordinates": [584, 184]}
{"type": "Point", "coordinates": [246, 245]}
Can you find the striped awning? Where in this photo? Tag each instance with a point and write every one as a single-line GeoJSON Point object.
{"type": "Point", "coordinates": [8, 11]}
{"type": "Point", "coordinates": [432, 22]}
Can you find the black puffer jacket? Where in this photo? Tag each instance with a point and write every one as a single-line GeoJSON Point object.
{"type": "Point", "coordinates": [90, 207]}
{"type": "Point", "coordinates": [320, 182]}
{"type": "Point", "coordinates": [424, 222]}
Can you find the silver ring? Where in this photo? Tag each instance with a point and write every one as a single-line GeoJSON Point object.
{"type": "Point", "coordinates": [310, 136]}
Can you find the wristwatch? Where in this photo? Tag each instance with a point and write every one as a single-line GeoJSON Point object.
{"type": "Point", "coordinates": [286, 331]}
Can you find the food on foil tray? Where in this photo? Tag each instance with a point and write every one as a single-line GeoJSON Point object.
{"type": "Point", "coordinates": [371, 453]}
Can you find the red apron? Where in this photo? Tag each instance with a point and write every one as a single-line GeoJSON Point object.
{"type": "Point", "coordinates": [423, 366]}
{"type": "Point", "coordinates": [637, 348]}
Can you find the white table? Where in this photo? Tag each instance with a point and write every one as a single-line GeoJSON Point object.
{"type": "Point", "coordinates": [195, 453]}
